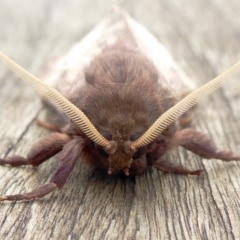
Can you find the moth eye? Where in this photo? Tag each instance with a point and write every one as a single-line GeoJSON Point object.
{"type": "Point", "coordinates": [106, 134]}
{"type": "Point", "coordinates": [141, 151]}
{"type": "Point", "coordinates": [99, 148]}
{"type": "Point", "coordinates": [101, 151]}
{"type": "Point", "coordinates": [135, 136]}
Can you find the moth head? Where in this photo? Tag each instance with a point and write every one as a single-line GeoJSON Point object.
{"type": "Point", "coordinates": [121, 150]}
{"type": "Point", "coordinates": [120, 156]}
{"type": "Point", "coordinates": [121, 130]}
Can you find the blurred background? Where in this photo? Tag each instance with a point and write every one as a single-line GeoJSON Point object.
{"type": "Point", "coordinates": [194, 31]}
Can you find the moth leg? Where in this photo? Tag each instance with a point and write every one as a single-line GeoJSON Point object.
{"type": "Point", "coordinates": [67, 158]}
{"type": "Point", "coordinates": [48, 126]}
{"type": "Point", "coordinates": [40, 152]}
{"type": "Point", "coordinates": [168, 167]}
{"type": "Point", "coordinates": [154, 159]}
{"type": "Point", "coordinates": [184, 121]}
{"type": "Point", "coordinates": [201, 145]}
{"type": "Point", "coordinates": [36, 193]}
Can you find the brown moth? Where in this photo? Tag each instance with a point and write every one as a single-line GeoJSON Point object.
{"type": "Point", "coordinates": [119, 91]}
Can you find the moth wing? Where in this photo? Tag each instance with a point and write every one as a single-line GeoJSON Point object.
{"type": "Point", "coordinates": [175, 78]}
{"type": "Point", "coordinates": [67, 74]}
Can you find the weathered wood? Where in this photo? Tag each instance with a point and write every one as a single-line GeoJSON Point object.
{"type": "Point", "coordinates": [204, 38]}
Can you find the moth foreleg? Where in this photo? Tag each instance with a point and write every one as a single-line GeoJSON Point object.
{"type": "Point", "coordinates": [154, 159]}
{"type": "Point", "coordinates": [67, 158]}
{"type": "Point", "coordinates": [36, 193]}
{"type": "Point", "coordinates": [168, 167]}
{"type": "Point", "coordinates": [40, 152]}
{"type": "Point", "coordinates": [201, 145]}
{"type": "Point", "coordinates": [48, 126]}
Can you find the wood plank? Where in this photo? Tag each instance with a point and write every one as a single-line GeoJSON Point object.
{"type": "Point", "coordinates": [204, 38]}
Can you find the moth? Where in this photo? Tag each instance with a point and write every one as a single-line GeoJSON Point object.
{"type": "Point", "coordinates": [118, 90]}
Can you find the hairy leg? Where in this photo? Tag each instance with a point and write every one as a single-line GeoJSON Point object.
{"type": "Point", "coordinates": [67, 158]}
{"type": "Point", "coordinates": [48, 126]}
{"type": "Point", "coordinates": [168, 167]}
{"type": "Point", "coordinates": [154, 159]}
{"type": "Point", "coordinates": [40, 152]}
{"type": "Point", "coordinates": [201, 145]}
{"type": "Point", "coordinates": [184, 121]}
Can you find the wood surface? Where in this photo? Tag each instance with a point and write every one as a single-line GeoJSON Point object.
{"type": "Point", "coordinates": [204, 38]}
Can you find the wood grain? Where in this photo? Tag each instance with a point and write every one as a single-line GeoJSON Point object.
{"type": "Point", "coordinates": [204, 38]}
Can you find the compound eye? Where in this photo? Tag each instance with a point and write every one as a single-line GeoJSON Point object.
{"type": "Point", "coordinates": [101, 151]}
{"type": "Point", "coordinates": [99, 148]}
{"type": "Point", "coordinates": [141, 151]}
{"type": "Point", "coordinates": [135, 136]}
{"type": "Point", "coordinates": [106, 134]}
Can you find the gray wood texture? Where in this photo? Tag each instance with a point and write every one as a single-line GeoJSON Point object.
{"type": "Point", "coordinates": [204, 38]}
